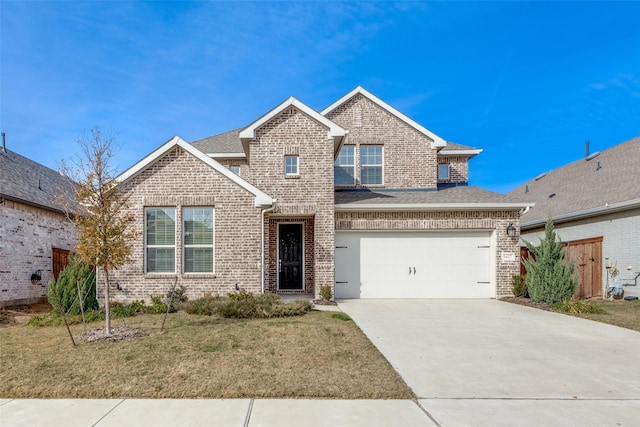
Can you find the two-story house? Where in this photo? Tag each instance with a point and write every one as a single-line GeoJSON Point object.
{"type": "Point", "coordinates": [357, 196]}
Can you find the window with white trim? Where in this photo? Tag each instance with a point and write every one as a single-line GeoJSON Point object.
{"type": "Point", "coordinates": [443, 171]}
{"type": "Point", "coordinates": [371, 164]}
{"type": "Point", "coordinates": [160, 240]}
{"type": "Point", "coordinates": [235, 169]}
{"type": "Point", "coordinates": [197, 229]}
{"type": "Point", "coordinates": [291, 165]}
{"type": "Point", "coordinates": [344, 168]}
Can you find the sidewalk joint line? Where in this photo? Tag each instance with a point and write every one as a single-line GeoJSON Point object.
{"type": "Point", "coordinates": [428, 414]}
{"type": "Point", "coordinates": [108, 412]}
{"type": "Point", "coordinates": [248, 416]}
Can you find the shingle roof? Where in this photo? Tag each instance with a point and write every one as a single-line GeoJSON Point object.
{"type": "Point", "coordinates": [228, 142]}
{"type": "Point", "coordinates": [609, 178]}
{"type": "Point", "coordinates": [29, 182]}
{"type": "Point", "coordinates": [457, 197]}
{"type": "Point", "coordinates": [452, 146]}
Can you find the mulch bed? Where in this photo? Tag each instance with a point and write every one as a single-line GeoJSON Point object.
{"type": "Point", "coordinates": [324, 302]}
{"type": "Point", "coordinates": [528, 302]}
{"type": "Point", "coordinates": [117, 334]}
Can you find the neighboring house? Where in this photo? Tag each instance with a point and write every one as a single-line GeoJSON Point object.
{"type": "Point", "coordinates": [358, 196]}
{"type": "Point", "coordinates": [595, 206]}
{"type": "Point", "coordinates": [35, 234]}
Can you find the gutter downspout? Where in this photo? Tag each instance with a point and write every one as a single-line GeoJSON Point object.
{"type": "Point", "coordinates": [264, 211]}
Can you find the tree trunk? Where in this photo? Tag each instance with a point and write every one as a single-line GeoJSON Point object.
{"type": "Point", "coordinates": [107, 304]}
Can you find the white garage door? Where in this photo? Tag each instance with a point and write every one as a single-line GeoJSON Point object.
{"type": "Point", "coordinates": [413, 265]}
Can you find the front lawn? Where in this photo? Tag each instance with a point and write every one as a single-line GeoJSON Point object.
{"type": "Point", "coordinates": [625, 314]}
{"type": "Point", "coordinates": [621, 313]}
{"type": "Point", "coordinates": [315, 355]}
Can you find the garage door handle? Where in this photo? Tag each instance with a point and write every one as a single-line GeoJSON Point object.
{"type": "Point", "coordinates": [483, 283]}
{"type": "Point", "coordinates": [341, 282]}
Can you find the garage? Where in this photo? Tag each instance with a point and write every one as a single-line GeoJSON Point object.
{"type": "Point", "coordinates": [383, 264]}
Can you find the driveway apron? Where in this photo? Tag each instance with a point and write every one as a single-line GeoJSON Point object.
{"type": "Point", "coordinates": [470, 353]}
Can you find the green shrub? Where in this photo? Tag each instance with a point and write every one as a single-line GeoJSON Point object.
{"type": "Point", "coordinates": [138, 306]}
{"type": "Point", "coordinates": [577, 306]}
{"type": "Point", "coordinates": [66, 288]}
{"type": "Point", "coordinates": [240, 296]}
{"type": "Point", "coordinates": [205, 306]}
{"type": "Point", "coordinates": [325, 292]}
{"type": "Point", "coordinates": [178, 295]}
{"type": "Point", "coordinates": [55, 319]}
{"type": "Point", "coordinates": [158, 306]}
{"type": "Point", "coordinates": [519, 286]}
{"type": "Point", "coordinates": [341, 316]}
{"type": "Point", "coordinates": [550, 278]}
{"type": "Point", "coordinates": [246, 306]}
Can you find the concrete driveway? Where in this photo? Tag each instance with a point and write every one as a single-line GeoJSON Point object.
{"type": "Point", "coordinates": [486, 362]}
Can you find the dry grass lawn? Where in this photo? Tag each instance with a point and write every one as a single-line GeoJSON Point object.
{"type": "Point", "coordinates": [621, 313]}
{"type": "Point", "coordinates": [311, 356]}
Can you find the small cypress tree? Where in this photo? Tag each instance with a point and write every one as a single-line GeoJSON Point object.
{"type": "Point", "coordinates": [550, 277]}
{"type": "Point", "coordinates": [66, 288]}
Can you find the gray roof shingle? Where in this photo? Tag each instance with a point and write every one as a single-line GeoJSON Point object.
{"type": "Point", "coordinates": [462, 195]}
{"type": "Point", "coordinates": [227, 142]}
{"type": "Point", "coordinates": [29, 182]}
{"type": "Point", "coordinates": [613, 176]}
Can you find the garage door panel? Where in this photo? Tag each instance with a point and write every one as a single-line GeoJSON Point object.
{"type": "Point", "coordinates": [418, 265]}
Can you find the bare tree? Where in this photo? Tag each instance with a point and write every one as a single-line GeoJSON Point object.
{"type": "Point", "coordinates": [105, 226]}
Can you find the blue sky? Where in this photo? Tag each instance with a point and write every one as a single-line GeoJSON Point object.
{"type": "Point", "coordinates": [528, 82]}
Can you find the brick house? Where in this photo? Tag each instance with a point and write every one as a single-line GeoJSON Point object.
{"type": "Point", "coordinates": [358, 196]}
{"type": "Point", "coordinates": [35, 234]}
{"type": "Point", "coordinates": [595, 206]}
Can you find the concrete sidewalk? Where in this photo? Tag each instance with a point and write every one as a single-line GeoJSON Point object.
{"type": "Point", "coordinates": [221, 412]}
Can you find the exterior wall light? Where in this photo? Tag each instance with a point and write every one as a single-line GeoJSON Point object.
{"type": "Point", "coordinates": [36, 277]}
{"type": "Point", "coordinates": [511, 230]}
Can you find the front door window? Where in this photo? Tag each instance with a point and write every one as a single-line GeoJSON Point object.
{"type": "Point", "coordinates": [290, 263]}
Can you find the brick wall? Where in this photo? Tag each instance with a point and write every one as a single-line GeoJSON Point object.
{"type": "Point", "coordinates": [409, 160]}
{"type": "Point", "coordinates": [458, 168]}
{"type": "Point", "coordinates": [495, 221]}
{"type": "Point", "coordinates": [310, 195]}
{"type": "Point", "coordinates": [27, 236]}
{"type": "Point", "coordinates": [180, 180]}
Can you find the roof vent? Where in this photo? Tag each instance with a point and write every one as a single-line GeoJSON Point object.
{"type": "Point", "coordinates": [539, 177]}
{"type": "Point", "coordinates": [599, 167]}
{"type": "Point", "coordinates": [591, 156]}
{"type": "Point", "coordinates": [526, 188]}
{"type": "Point", "coordinates": [552, 195]}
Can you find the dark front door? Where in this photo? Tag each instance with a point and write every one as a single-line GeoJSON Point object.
{"type": "Point", "coordinates": [290, 265]}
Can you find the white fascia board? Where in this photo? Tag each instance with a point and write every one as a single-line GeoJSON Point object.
{"type": "Point", "coordinates": [351, 207]}
{"type": "Point", "coordinates": [227, 155]}
{"type": "Point", "coordinates": [335, 131]}
{"type": "Point", "coordinates": [438, 142]}
{"type": "Point", "coordinates": [586, 213]}
{"type": "Point", "coordinates": [261, 198]}
{"type": "Point", "coordinates": [445, 152]}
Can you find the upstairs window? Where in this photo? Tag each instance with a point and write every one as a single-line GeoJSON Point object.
{"type": "Point", "coordinates": [291, 165]}
{"type": "Point", "coordinates": [198, 240]}
{"type": "Point", "coordinates": [443, 171]}
{"type": "Point", "coordinates": [344, 169]}
{"type": "Point", "coordinates": [160, 240]}
{"type": "Point", "coordinates": [235, 169]}
{"type": "Point", "coordinates": [371, 164]}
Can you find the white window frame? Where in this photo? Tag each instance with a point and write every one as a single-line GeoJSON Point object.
{"type": "Point", "coordinates": [372, 165]}
{"type": "Point", "coordinates": [352, 166]}
{"type": "Point", "coordinates": [287, 165]}
{"type": "Point", "coordinates": [186, 246]}
{"type": "Point", "coordinates": [442, 167]}
{"type": "Point", "coordinates": [235, 169]}
{"type": "Point", "coordinates": [147, 246]}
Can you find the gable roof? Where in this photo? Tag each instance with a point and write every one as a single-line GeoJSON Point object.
{"type": "Point", "coordinates": [453, 198]}
{"type": "Point", "coordinates": [438, 142]}
{"type": "Point", "coordinates": [223, 145]}
{"type": "Point", "coordinates": [261, 198]}
{"type": "Point", "coordinates": [31, 183]}
{"type": "Point", "coordinates": [335, 132]}
{"type": "Point", "coordinates": [602, 183]}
